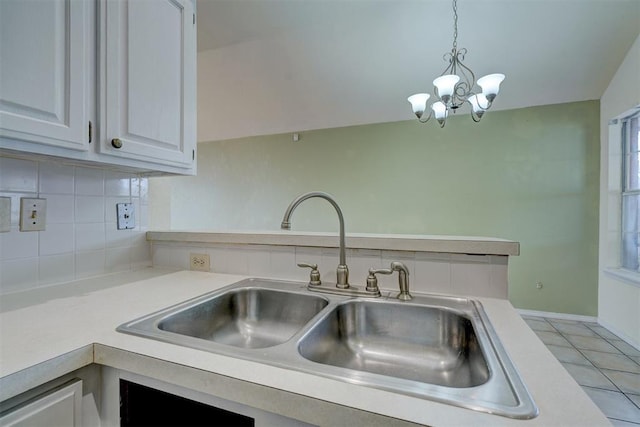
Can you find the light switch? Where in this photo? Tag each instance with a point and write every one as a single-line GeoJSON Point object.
{"type": "Point", "coordinates": [126, 216]}
{"type": "Point", "coordinates": [33, 214]}
{"type": "Point", "coordinates": [5, 214]}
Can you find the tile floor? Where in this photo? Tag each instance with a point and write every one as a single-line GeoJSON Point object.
{"type": "Point", "coordinates": [607, 368]}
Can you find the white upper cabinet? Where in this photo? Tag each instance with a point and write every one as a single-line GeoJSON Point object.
{"type": "Point", "coordinates": [148, 80]}
{"type": "Point", "coordinates": [108, 82]}
{"type": "Point", "coordinates": [43, 72]}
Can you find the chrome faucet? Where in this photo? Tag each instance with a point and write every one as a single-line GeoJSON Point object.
{"type": "Point", "coordinates": [403, 279]}
{"type": "Point", "coordinates": [342, 272]}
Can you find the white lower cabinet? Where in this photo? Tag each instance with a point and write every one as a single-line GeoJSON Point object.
{"type": "Point", "coordinates": [59, 407]}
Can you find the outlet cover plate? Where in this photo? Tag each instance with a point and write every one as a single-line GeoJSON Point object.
{"type": "Point", "coordinates": [199, 262]}
{"type": "Point", "coordinates": [33, 214]}
{"type": "Point", "coordinates": [126, 216]}
{"type": "Point", "coordinates": [5, 214]}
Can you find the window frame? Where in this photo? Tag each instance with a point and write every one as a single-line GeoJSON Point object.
{"type": "Point", "coordinates": [630, 256]}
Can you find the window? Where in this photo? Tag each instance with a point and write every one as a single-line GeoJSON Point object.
{"type": "Point", "coordinates": [631, 193]}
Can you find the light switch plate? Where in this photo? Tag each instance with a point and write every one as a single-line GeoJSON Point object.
{"type": "Point", "coordinates": [5, 214]}
{"type": "Point", "coordinates": [33, 214]}
{"type": "Point", "coordinates": [126, 216]}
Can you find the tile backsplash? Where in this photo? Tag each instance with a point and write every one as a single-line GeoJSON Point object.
{"type": "Point", "coordinates": [81, 238]}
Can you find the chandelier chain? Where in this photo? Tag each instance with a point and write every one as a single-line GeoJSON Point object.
{"type": "Point", "coordinates": [455, 24]}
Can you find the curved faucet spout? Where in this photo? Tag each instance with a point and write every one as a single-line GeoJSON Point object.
{"type": "Point", "coordinates": [343, 272]}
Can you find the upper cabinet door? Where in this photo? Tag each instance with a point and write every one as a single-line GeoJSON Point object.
{"type": "Point", "coordinates": [43, 74]}
{"type": "Point", "coordinates": [148, 80]}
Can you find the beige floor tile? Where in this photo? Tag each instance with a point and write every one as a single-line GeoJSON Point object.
{"type": "Point", "coordinates": [539, 325]}
{"type": "Point", "coordinates": [552, 338]}
{"type": "Point", "coordinates": [589, 376]}
{"type": "Point", "coordinates": [616, 362]}
{"type": "Point", "coordinates": [571, 329]}
{"type": "Point", "coordinates": [590, 343]}
{"type": "Point", "coordinates": [614, 404]}
{"type": "Point", "coordinates": [568, 354]}
{"type": "Point", "coordinates": [627, 382]}
{"type": "Point", "coordinates": [604, 332]}
{"type": "Point", "coordinates": [624, 347]}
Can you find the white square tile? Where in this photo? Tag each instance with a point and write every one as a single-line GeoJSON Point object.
{"type": "Point", "coordinates": [470, 275]}
{"type": "Point", "coordinates": [217, 257]}
{"type": "Point", "coordinates": [90, 237]}
{"type": "Point", "coordinates": [135, 186]}
{"type": "Point", "coordinates": [170, 256]}
{"type": "Point", "coordinates": [235, 261]}
{"type": "Point", "coordinates": [57, 239]}
{"type": "Point", "coordinates": [89, 264]}
{"type": "Point", "coordinates": [139, 237]}
{"type": "Point", "coordinates": [259, 262]}
{"type": "Point", "coordinates": [90, 209]}
{"type": "Point", "coordinates": [117, 184]}
{"type": "Point", "coordinates": [115, 238]}
{"type": "Point", "coordinates": [18, 274]}
{"type": "Point", "coordinates": [60, 208]}
{"type": "Point", "coordinates": [141, 255]}
{"type": "Point", "coordinates": [136, 210]}
{"type": "Point", "coordinates": [56, 178]}
{"type": "Point", "coordinates": [499, 277]}
{"type": "Point", "coordinates": [16, 244]}
{"type": "Point", "coordinates": [57, 268]}
{"type": "Point", "coordinates": [144, 190]}
{"type": "Point", "coordinates": [142, 215]}
{"type": "Point", "coordinates": [432, 274]}
{"type": "Point", "coordinates": [18, 175]}
{"type": "Point", "coordinates": [328, 265]}
{"type": "Point", "coordinates": [283, 262]}
{"type": "Point", "coordinates": [89, 181]}
{"type": "Point", "coordinates": [117, 259]}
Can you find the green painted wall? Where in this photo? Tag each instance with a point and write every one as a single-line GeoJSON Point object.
{"type": "Point", "coordinates": [529, 175]}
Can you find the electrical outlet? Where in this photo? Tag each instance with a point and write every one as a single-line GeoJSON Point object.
{"type": "Point", "coordinates": [199, 262]}
{"type": "Point", "coordinates": [5, 214]}
{"type": "Point", "coordinates": [126, 216]}
{"type": "Point", "coordinates": [33, 214]}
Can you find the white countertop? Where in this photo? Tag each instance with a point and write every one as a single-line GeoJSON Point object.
{"type": "Point", "coordinates": [397, 242]}
{"type": "Point", "coordinates": [56, 326]}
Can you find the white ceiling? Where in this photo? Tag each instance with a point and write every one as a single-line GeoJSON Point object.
{"type": "Point", "coordinates": [272, 66]}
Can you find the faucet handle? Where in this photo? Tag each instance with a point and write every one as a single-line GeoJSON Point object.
{"type": "Point", "coordinates": [372, 280]}
{"type": "Point", "coordinates": [314, 275]}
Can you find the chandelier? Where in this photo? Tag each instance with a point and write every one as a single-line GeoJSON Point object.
{"type": "Point", "coordinates": [455, 86]}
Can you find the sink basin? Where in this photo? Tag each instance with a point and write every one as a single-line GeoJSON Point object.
{"type": "Point", "coordinates": [433, 347]}
{"type": "Point", "coordinates": [418, 343]}
{"type": "Point", "coordinates": [247, 317]}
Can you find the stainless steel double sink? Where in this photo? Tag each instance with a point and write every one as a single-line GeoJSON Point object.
{"type": "Point", "coordinates": [433, 347]}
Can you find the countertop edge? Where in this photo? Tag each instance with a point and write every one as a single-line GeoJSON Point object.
{"type": "Point", "coordinates": [400, 242]}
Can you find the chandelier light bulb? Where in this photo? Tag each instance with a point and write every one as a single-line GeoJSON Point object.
{"type": "Point", "coordinates": [446, 85]}
{"type": "Point", "coordinates": [419, 103]}
{"type": "Point", "coordinates": [479, 103]}
{"type": "Point", "coordinates": [439, 110]}
{"type": "Point", "coordinates": [490, 85]}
